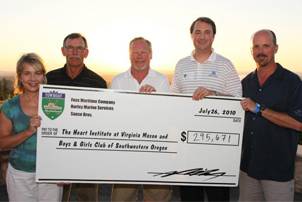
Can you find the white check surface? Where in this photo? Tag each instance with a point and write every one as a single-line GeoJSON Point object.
{"type": "Point", "coordinates": [105, 136]}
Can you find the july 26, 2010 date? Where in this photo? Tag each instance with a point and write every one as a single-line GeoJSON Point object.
{"type": "Point", "coordinates": [224, 112]}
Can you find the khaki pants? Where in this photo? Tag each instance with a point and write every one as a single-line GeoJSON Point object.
{"type": "Point", "coordinates": [252, 189]}
{"type": "Point", "coordinates": [126, 192]}
{"type": "Point", "coordinates": [298, 175]}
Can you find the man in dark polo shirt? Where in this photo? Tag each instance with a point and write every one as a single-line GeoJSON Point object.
{"type": "Point", "coordinates": [75, 73]}
{"type": "Point", "coordinates": [273, 105]}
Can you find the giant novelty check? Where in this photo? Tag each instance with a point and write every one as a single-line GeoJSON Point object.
{"type": "Point", "coordinates": [103, 136]}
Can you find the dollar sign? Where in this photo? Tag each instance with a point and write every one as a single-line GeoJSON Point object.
{"type": "Point", "coordinates": [183, 136]}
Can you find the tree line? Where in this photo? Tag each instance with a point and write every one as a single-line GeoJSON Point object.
{"type": "Point", "coordinates": [6, 88]}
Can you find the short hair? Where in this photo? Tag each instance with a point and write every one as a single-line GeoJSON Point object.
{"type": "Point", "coordinates": [273, 35]}
{"type": "Point", "coordinates": [32, 59]}
{"type": "Point", "coordinates": [206, 20]}
{"type": "Point", "coordinates": [138, 39]}
{"type": "Point", "coordinates": [274, 38]}
{"type": "Point", "coordinates": [75, 36]}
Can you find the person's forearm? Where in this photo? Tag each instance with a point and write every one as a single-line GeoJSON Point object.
{"type": "Point", "coordinates": [281, 119]}
{"type": "Point", "coordinates": [11, 141]}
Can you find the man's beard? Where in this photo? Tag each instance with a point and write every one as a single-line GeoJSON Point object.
{"type": "Point", "coordinates": [262, 60]}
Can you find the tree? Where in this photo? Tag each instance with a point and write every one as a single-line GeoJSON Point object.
{"type": "Point", "coordinates": [6, 88]}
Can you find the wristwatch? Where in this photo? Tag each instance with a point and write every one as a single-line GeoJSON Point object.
{"type": "Point", "coordinates": [259, 109]}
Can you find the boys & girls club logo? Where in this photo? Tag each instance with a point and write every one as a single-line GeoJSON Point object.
{"type": "Point", "coordinates": [53, 104]}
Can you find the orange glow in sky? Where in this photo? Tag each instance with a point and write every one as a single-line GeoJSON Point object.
{"type": "Point", "coordinates": [40, 26]}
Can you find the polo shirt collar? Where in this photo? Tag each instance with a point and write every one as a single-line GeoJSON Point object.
{"type": "Point", "coordinates": [211, 58]}
{"type": "Point", "coordinates": [151, 73]}
{"type": "Point", "coordinates": [278, 74]}
{"type": "Point", "coordinates": [83, 72]}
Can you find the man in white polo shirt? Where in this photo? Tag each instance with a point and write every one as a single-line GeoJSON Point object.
{"type": "Point", "coordinates": [201, 74]}
{"type": "Point", "coordinates": [140, 77]}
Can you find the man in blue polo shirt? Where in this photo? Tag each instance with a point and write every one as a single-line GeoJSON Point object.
{"type": "Point", "coordinates": [273, 105]}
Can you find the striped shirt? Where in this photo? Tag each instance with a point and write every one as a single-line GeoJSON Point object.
{"type": "Point", "coordinates": [217, 73]}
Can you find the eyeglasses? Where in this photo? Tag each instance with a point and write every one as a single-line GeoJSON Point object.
{"type": "Point", "coordinates": [77, 49]}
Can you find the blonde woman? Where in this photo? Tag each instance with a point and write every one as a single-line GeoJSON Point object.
{"type": "Point", "coordinates": [19, 121]}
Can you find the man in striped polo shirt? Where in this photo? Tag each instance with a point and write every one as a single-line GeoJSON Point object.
{"type": "Point", "coordinates": [201, 74]}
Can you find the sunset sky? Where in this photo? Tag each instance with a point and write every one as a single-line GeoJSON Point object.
{"type": "Point", "coordinates": [40, 26]}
